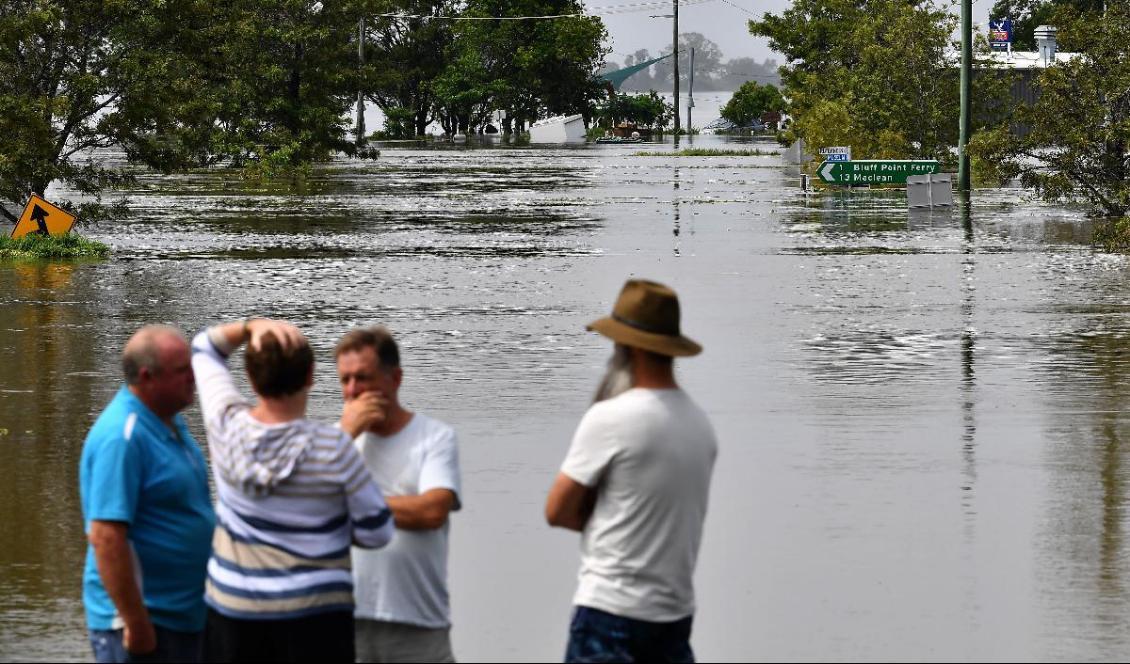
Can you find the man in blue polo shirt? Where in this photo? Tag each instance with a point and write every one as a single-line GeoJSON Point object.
{"type": "Point", "coordinates": [147, 511]}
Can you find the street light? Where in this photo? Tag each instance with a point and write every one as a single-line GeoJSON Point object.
{"type": "Point", "coordinates": [675, 56]}
{"type": "Point", "coordinates": [359, 131]}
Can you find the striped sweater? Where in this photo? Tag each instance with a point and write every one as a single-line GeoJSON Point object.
{"type": "Point", "coordinates": [290, 499]}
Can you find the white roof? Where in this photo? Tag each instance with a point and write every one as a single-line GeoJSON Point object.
{"type": "Point", "coordinates": [1025, 59]}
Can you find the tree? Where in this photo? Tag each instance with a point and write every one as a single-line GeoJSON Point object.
{"type": "Point", "coordinates": [640, 80]}
{"type": "Point", "coordinates": [707, 62]}
{"type": "Point", "coordinates": [1078, 147]}
{"type": "Point", "coordinates": [527, 68]}
{"type": "Point", "coordinates": [403, 56]}
{"type": "Point", "coordinates": [1027, 15]}
{"type": "Point", "coordinates": [878, 75]}
{"type": "Point", "coordinates": [78, 75]}
{"type": "Point", "coordinates": [739, 70]}
{"type": "Point", "coordinates": [750, 101]}
{"type": "Point", "coordinates": [646, 110]}
{"type": "Point", "coordinates": [174, 84]}
{"type": "Point", "coordinates": [282, 76]}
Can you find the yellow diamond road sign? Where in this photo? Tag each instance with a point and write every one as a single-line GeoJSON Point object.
{"type": "Point", "coordinates": [43, 218]}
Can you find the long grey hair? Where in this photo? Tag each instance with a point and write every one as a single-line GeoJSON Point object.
{"type": "Point", "coordinates": [618, 377]}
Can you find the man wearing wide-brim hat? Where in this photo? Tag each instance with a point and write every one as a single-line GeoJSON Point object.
{"type": "Point", "coordinates": [635, 483]}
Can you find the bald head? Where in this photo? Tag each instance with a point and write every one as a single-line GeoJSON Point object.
{"type": "Point", "coordinates": [143, 350]}
{"type": "Point", "coordinates": [157, 363]}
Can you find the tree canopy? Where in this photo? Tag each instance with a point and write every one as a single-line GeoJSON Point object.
{"type": "Point", "coordinates": [645, 110]}
{"type": "Point", "coordinates": [867, 73]}
{"type": "Point", "coordinates": [1078, 144]}
{"type": "Point", "coordinates": [727, 75]}
{"type": "Point", "coordinates": [265, 85]}
{"type": "Point", "coordinates": [173, 84]}
{"type": "Point", "coordinates": [707, 61]}
{"type": "Point", "coordinates": [879, 75]}
{"type": "Point", "coordinates": [75, 76]}
{"type": "Point", "coordinates": [1027, 15]}
{"type": "Point", "coordinates": [403, 57]}
{"type": "Point", "coordinates": [750, 102]}
{"type": "Point", "coordinates": [459, 72]}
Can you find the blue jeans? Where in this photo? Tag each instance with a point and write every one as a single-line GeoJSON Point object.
{"type": "Point", "coordinates": [171, 647]}
{"type": "Point", "coordinates": [599, 636]}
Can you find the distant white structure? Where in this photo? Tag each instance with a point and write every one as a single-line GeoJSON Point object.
{"type": "Point", "coordinates": [561, 129]}
{"type": "Point", "coordinates": [1027, 60]}
{"type": "Point", "coordinates": [1046, 53]}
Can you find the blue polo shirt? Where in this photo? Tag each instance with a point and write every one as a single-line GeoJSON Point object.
{"type": "Point", "coordinates": [136, 470]}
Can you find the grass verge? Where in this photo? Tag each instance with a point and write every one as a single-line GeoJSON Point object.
{"type": "Point", "coordinates": [70, 245]}
{"type": "Point", "coordinates": [708, 152]}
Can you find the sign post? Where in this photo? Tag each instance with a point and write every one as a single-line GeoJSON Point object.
{"type": "Point", "coordinates": [836, 153]}
{"type": "Point", "coordinates": [1000, 34]}
{"type": "Point", "coordinates": [875, 171]}
{"type": "Point", "coordinates": [42, 218]}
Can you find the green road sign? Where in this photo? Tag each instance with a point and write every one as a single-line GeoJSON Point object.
{"type": "Point", "coordinates": [875, 171]}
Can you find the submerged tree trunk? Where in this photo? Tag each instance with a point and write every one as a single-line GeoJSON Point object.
{"type": "Point", "coordinates": [294, 88]}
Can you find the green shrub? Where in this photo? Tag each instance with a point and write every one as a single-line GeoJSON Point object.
{"type": "Point", "coordinates": [70, 245]}
{"type": "Point", "coordinates": [1113, 235]}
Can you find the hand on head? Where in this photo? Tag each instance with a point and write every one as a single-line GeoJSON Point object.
{"type": "Point", "coordinates": [286, 334]}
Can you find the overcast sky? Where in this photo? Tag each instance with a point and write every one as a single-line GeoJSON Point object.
{"type": "Point", "coordinates": [720, 21]}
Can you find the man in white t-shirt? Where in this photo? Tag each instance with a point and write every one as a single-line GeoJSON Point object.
{"type": "Point", "coordinates": [402, 611]}
{"type": "Point", "coordinates": [635, 483]}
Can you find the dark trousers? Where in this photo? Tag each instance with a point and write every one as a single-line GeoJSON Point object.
{"type": "Point", "coordinates": [325, 637]}
{"type": "Point", "coordinates": [599, 636]}
{"type": "Point", "coordinates": [172, 646]}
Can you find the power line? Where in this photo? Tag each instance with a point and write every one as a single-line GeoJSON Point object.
{"type": "Point", "coordinates": [645, 3]}
{"type": "Point", "coordinates": [643, 7]}
{"type": "Point", "coordinates": [479, 18]}
{"type": "Point", "coordinates": [648, 8]}
{"type": "Point", "coordinates": [739, 8]}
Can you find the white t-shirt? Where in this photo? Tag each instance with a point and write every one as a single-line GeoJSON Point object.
{"type": "Point", "coordinates": [406, 582]}
{"type": "Point", "coordinates": [649, 455]}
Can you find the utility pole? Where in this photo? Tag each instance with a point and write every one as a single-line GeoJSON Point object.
{"type": "Point", "coordinates": [675, 46]}
{"type": "Point", "coordinates": [690, 93]}
{"type": "Point", "coordinates": [966, 95]}
{"type": "Point", "coordinates": [359, 134]}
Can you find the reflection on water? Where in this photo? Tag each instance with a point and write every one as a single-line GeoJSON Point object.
{"type": "Point", "coordinates": [1083, 530]}
{"type": "Point", "coordinates": [46, 353]}
{"type": "Point", "coordinates": [968, 370]}
{"type": "Point", "coordinates": [920, 414]}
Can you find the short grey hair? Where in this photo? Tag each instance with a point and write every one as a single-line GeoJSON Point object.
{"type": "Point", "coordinates": [142, 351]}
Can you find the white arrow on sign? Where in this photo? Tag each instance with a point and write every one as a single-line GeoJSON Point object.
{"type": "Point", "coordinates": [826, 170]}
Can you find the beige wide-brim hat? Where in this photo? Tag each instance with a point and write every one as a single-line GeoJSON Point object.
{"type": "Point", "coordinates": [646, 315]}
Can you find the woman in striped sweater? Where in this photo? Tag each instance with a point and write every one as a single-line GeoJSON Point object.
{"type": "Point", "coordinates": [291, 496]}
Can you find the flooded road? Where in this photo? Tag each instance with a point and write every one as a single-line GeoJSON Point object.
{"type": "Point", "coordinates": [920, 415]}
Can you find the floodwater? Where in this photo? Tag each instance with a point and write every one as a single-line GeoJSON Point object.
{"type": "Point", "coordinates": [920, 415]}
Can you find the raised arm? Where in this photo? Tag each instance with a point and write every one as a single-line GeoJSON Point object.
{"type": "Point", "coordinates": [210, 351]}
